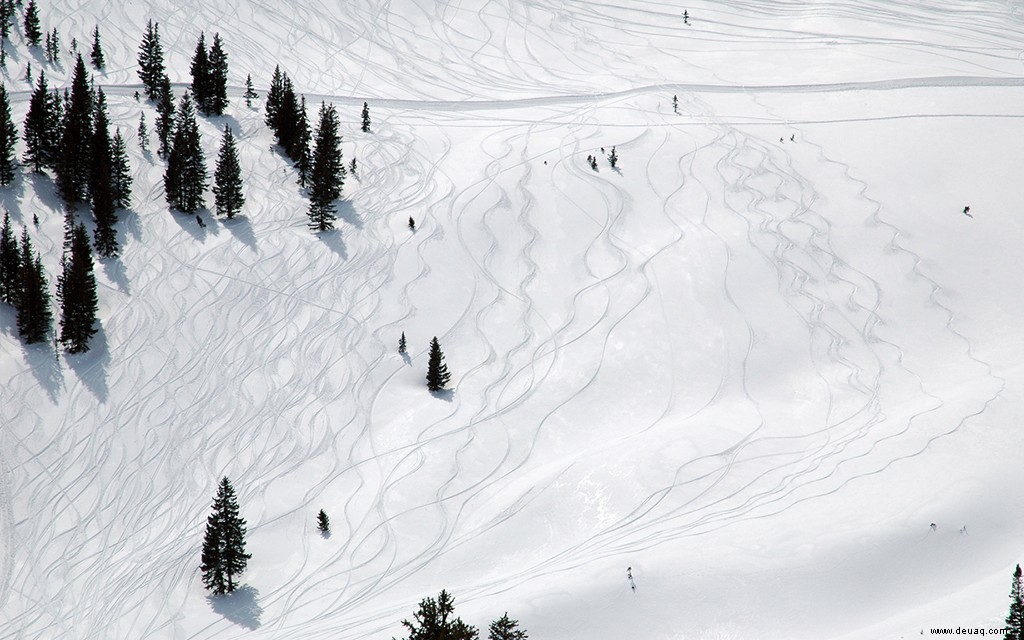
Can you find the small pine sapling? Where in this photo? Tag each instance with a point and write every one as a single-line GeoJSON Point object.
{"type": "Point", "coordinates": [143, 132]}
{"type": "Point", "coordinates": [352, 166]}
{"type": "Point", "coordinates": [412, 223]}
{"type": "Point", "coordinates": [366, 118]}
{"type": "Point", "coordinates": [401, 344]}
{"type": "Point", "coordinates": [250, 92]}
{"type": "Point", "coordinates": [675, 104]}
{"type": "Point", "coordinates": [613, 158]}
{"type": "Point", "coordinates": [323, 524]}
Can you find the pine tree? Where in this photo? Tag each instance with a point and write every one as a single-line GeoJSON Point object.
{"type": "Point", "coordinates": [273, 103]}
{"type": "Point", "coordinates": [250, 93]}
{"type": "Point", "coordinates": [1015, 618]}
{"type": "Point", "coordinates": [434, 621]}
{"type": "Point", "coordinates": [227, 188]}
{"type": "Point", "coordinates": [185, 179]}
{"type": "Point", "coordinates": [33, 300]}
{"type": "Point", "coordinates": [54, 40]}
{"type": "Point", "coordinates": [201, 76]}
{"type": "Point", "coordinates": [121, 173]}
{"type": "Point", "coordinates": [77, 294]}
{"type": "Point", "coordinates": [505, 629]}
{"type": "Point", "coordinates": [10, 259]}
{"type": "Point", "coordinates": [437, 371]}
{"type": "Point", "coordinates": [6, 18]}
{"type": "Point", "coordinates": [151, 61]}
{"type": "Point", "coordinates": [101, 183]}
{"type": "Point", "coordinates": [100, 145]}
{"type": "Point", "coordinates": [323, 524]}
{"type": "Point", "coordinates": [33, 33]}
{"type": "Point", "coordinates": [352, 167]}
{"type": "Point", "coordinates": [328, 174]}
{"type": "Point", "coordinates": [218, 78]}
{"type": "Point", "coordinates": [299, 151]}
{"type": "Point", "coordinates": [8, 136]}
{"type": "Point", "coordinates": [401, 344]}
{"type": "Point", "coordinates": [286, 125]}
{"type": "Point", "coordinates": [224, 555]}
{"type": "Point", "coordinates": [675, 104]}
{"type": "Point", "coordinates": [366, 118]}
{"type": "Point", "coordinates": [164, 116]}
{"type": "Point", "coordinates": [73, 163]}
{"type": "Point", "coordinates": [613, 158]}
{"type": "Point", "coordinates": [143, 132]}
{"type": "Point", "coordinates": [412, 223]}
{"type": "Point", "coordinates": [97, 50]}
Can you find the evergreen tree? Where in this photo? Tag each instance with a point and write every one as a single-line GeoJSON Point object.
{"type": "Point", "coordinates": [224, 555]}
{"type": "Point", "coordinates": [53, 42]}
{"type": "Point", "coordinates": [8, 136]}
{"type": "Point", "coordinates": [352, 167]}
{"type": "Point", "coordinates": [10, 259]}
{"type": "Point", "coordinates": [227, 188]}
{"type": "Point", "coordinates": [437, 371]}
{"type": "Point", "coordinates": [366, 118]}
{"type": "Point", "coordinates": [401, 344]}
{"type": "Point", "coordinates": [74, 160]}
{"type": "Point", "coordinates": [33, 300]}
{"type": "Point", "coordinates": [505, 629]}
{"type": "Point", "coordinates": [218, 79]}
{"type": "Point", "coordinates": [435, 621]}
{"type": "Point", "coordinates": [323, 524]}
{"type": "Point", "coordinates": [201, 75]}
{"type": "Point", "coordinates": [7, 14]}
{"type": "Point", "coordinates": [273, 103]}
{"type": "Point", "coordinates": [250, 93]}
{"type": "Point", "coordinates": [675, 104]}
{"type": "Point", "coordinates": [164, 116]}
{"type": "Point", "coordinates": [613, 158]}
{"type": "Point", "coordinates": [185, 179]}
{"type": "Point", "coordinates": [299, 151]}
{"type": "Point", "coordinates": [77, 294]}
{"type": "Point", "coordinates": [1015, 618]}
{"type": "Point", "coordinates": [151, 61]}
{"type": "Point", "coordinates": [97, 50]}
{"type": "Point", "coordinates": [33, 32]}
{"type": "Point", "coordinates": [101, 183]}
{"type": "Point", "coordinates": [100, 145]}
{"type": "Point", "coordinates": [286, 125]}
{"type": "Point", "coordinates": [121, 173]}
{"type": "Point", "coordinates": [143, 132]}
{"type": "Point", "coordinates": [412, 223]}
{"type": "Point", "coordinates": [328, 174]}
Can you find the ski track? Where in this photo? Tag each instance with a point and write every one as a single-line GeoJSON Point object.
{"type": "Point", "coordinates": [276, 353]}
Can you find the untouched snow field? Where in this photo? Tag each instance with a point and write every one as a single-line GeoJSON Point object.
{"type": "Point", "coordinates": [754, 364]}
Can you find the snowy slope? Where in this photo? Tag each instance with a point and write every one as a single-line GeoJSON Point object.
{"type": "Point", "coordinates": [752, 367]}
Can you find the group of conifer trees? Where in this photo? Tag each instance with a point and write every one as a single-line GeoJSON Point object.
{"type": "Point", "coordinates": [321, 169]}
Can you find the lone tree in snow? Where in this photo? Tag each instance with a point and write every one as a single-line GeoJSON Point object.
{"type": "Point", "coordinates": [401, 344]}
{"type": "Point", "coordinates": [505, 629]}
{"type": "Point", "coordinates": [227, 178]}
{"type": "Point", "coordinates": [185, 178]}
{"type": "Point", "coordinates": [613, 158]}
{"type": "Point", "coordinates": [323, 523]}
{"type": "Point", "coordinates": [435, 621]}
{"type": "Point", "coordinates": [1015, 619]}
{"type": "Point", "coordinates": [328, 171]}
{"type": "Point", "coordinates": [250, 93]}
{"type": "Point", "coordinates": [96, 55]}
{"type": "Point", "coordinates": [224, 554]}
{"type": "Point", "coordinates": [366, 118]}
{"type": "Point", "coordinates": [437, 371]}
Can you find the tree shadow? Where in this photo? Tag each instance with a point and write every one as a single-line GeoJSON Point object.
{"type": "Point", "coordinates": [444, 394]}
{"type": "Point", "coordinates": [91, 366]}
{"type": "Point", "coordinates": [407, 359]}
{"type": "Point", "coordinates": [11, 197]}
{"type": "Point", "coordinates": [46, 191]}
{"type": "Point", "coordinates": [241, 606]}
{"type": "Point", "coordinates": [333, 241]}
{"type": "Point", "coordinates": [129, 219]}
{"type": "Point", "coordinates": [45, 366]}
{"type": "Point", "coordinates": [190, 222]}
{"type": "Point", "coordinates": [241, 228]}
{"type": "Point", "coordinates": [347, 212]}
{"type": "Point", "coordinates": [117, 273]}
{"type": "Point", "coordinates": [326, 535]}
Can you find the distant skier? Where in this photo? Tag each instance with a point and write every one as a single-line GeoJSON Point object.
{"type": "Point", "coordinates": [967, 212]}
{"type": "Point", "coordinates": [412, 223]}
{"type": "Point", "coordinates": [686, 17]}
{"type": "Point", "coordinates": [629, 576]}
{"type": "Point", "coordinates": [200, 221]}
{"type": "Point", "coordinates": [792, 138]}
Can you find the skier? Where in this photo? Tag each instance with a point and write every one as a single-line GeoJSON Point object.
{"type": "Point", "coordinates": [792, 138]}
{"type": "Point", "coordinates": [200, 221]}
{"type": "Point", "coordinates": [967, 212]}
{"type": "Point", "coordinates": [686, 17]}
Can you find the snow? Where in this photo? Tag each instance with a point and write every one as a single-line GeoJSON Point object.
{"type": "Point", "coordinates": [755, 369]}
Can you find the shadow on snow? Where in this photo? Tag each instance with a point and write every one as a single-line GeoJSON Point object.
{"type": "Point", "coordinates": [241, 607]}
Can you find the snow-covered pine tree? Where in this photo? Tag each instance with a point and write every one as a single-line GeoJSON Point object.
{"type": "Point", "coordinates": [96, 55]}
{"type": "Point", "coordinates": [164, 116]}
{"type": "Point", "coordinates": [143, 132]}
{"type": "Point", "coordinates": [185, 178]}
{"type": "Point", "coordinates": [151, 61]}
{"type": "Point", "coordinates": [328, 174]}
{"type": "Point", "coordinates": [201, 75]}
{"type": "Point", "coordinates": [352, 167]}
{"type": "Point", "coordinates": [273, 103]}
{"type": "Point", "coordinates": [38, 126]}
{"type": "Point", "coordinates": [299, 151]}
{"type": "Point", "coordinates": [33, 32]}
{"type": "Point", "coordinates": [437, 371]}
{"type": "Point", "coordinates": [323, 523]}
{"type": "Point", "coordinates": [8, 136]}
{"type": "Point", "coordinates": [250, 93]}
{"type": "Point", "coordinates": [286, 124]}
{"type": "Point", "coordinates": [76, 293]}
{"type": "Point", "coordinates": [120, 173]}
{"type": "Point", "coordinates": [101, 183]}
{"type": "Point", "coordinates": [54, 55]}
{"type": "Point", "coordinates": [9, 262]}
{"type": "Point", "coordinates": [366, 118]}
{"type": "Point", "coordinates": [227, 178]}
{"type": "Point", "coordinates": [435, 621]}
{"type": "Point", "coordinates": [35, 320]}
{"type": "Point", "coordinates": [223, 555]}
{"type": "Point", "coordinates": [1015, 618]}
{"type": "Point", "coordinates": [505, 629]}
{"type": "Point", "coordinates": [613, 158]}
{"type": "Point", "coordinates": [675, 104]}
{"type": "Point", "coordinates": [401, 344]}
{"type": "Point", "coordinates": [218, 79]}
